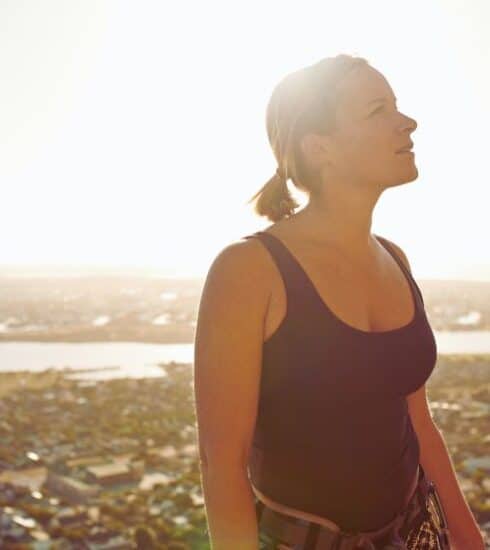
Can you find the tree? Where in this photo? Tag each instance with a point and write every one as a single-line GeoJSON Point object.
{"type": "Point", "coordinates": [145, 538]}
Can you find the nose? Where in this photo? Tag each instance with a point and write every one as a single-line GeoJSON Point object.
{"type": "Point", "coordinates": [409, 123]}
{"type": "Point", "coordinates": [414, 124]}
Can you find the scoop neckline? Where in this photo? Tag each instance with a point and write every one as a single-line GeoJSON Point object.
{"type": "Point", "coordinates": [329, 311]}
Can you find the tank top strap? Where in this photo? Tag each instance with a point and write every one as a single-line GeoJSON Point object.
{"type": "Point", "coordinates": [291, 272]}
{"type": "Point", "coordinates": [295, 279]}
{"type": "Point", "coordinates": [403, 267]}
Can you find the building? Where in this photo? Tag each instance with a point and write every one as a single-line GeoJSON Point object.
{"type": "Point", "coordinates": [70, 489]}
{"type": "Point", "coordinates": [113, 473]}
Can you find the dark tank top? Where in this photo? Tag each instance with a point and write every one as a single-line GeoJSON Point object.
{"type": "Point", "coordinates": [333, 434]}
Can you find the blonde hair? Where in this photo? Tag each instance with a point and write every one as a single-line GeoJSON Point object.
{"type": "Point", "coordinates": [303, 101]}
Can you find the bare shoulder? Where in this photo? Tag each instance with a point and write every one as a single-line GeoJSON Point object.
{"type": "Point", "coordinates": [246, 259]}
{"type": "Point", "coordinates": [240, 274]}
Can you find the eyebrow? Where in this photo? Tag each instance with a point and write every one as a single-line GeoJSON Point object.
{"type": "Point", "coordinates": [379, 99]}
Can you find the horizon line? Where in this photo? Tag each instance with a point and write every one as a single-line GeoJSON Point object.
{"type": "Point", "coordinates": [53, 270]}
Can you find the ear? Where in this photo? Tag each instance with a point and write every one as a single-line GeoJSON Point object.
{"type": "Point", "coordinates": [315, 148]}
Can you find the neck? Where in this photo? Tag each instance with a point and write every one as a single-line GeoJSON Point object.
{"type": "Point", "coordinates": [340, 219]}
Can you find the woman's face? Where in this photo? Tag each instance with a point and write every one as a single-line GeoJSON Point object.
{"type": "Point", "coordinates": [370, 129]}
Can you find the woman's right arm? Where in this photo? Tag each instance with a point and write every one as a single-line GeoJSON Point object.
{"type": "Point", "coordinates": [227, 365]}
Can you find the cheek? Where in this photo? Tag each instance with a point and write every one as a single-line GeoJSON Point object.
{"type": "Point", "coordinates": [368, 148]}
{"type": "Point", "coordinates": [357, 145]}
{"type": "Point", "coordinates": [377, 147]}
{"type": "Point", "coordinates": [365, 139]}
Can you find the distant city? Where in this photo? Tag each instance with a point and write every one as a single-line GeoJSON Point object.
{"type": "Point", "coordinates": [164, 310]}
{"type": "Point", "coordinates": [93, 462]}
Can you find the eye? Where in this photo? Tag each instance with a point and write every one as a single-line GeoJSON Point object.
{"type": "Point", "coordinates": [380, 109]}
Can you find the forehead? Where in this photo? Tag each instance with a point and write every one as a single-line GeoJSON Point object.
{"type": "Point", "coordinates": [358, 88]}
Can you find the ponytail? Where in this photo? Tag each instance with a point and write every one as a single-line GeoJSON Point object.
{"type": "Point", "coordinates": [274, 199]}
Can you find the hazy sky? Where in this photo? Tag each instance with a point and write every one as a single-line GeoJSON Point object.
{"type": "Point", "coordinates": [133, 133]}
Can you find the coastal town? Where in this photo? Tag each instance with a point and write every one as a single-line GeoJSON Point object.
{"type": "Point", "coordinates": [114, 464]}
{"type": "Point", "coordinates": [101, 465]}
{"type": "Point", "coordinates": [92, 462]}
{"type": "Point", "coordinates": [160, 310]}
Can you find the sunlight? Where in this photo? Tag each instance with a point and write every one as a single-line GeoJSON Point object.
{"type": "Point", "coordinates": [131, 132]}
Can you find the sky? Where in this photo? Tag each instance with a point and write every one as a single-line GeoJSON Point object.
{"type": "Point", "coordinates": [132, 134]}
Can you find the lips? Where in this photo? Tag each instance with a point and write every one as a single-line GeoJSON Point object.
{"type": "Point", "coordinates": [405, 149]}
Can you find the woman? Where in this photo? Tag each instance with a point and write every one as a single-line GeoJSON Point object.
{"type": "Point", "coordinates": [313, 348]}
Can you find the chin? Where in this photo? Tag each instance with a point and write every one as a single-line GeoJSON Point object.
{"type": "Point", "coordinates": [409, 176]}
{"type": "Point", "coordinates": [405, 168]}
{"type": "Point", "coordinates": [413, 175]}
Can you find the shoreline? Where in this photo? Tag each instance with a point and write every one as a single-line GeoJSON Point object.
{"type": "Point", "coordinates": [183, 334]}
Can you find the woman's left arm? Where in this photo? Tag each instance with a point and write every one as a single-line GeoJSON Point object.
{"type": "Point", "coordinates": [464, 532]}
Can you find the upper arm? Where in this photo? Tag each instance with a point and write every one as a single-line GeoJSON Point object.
{"type": "Point", "coordinates": [228, 353]}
